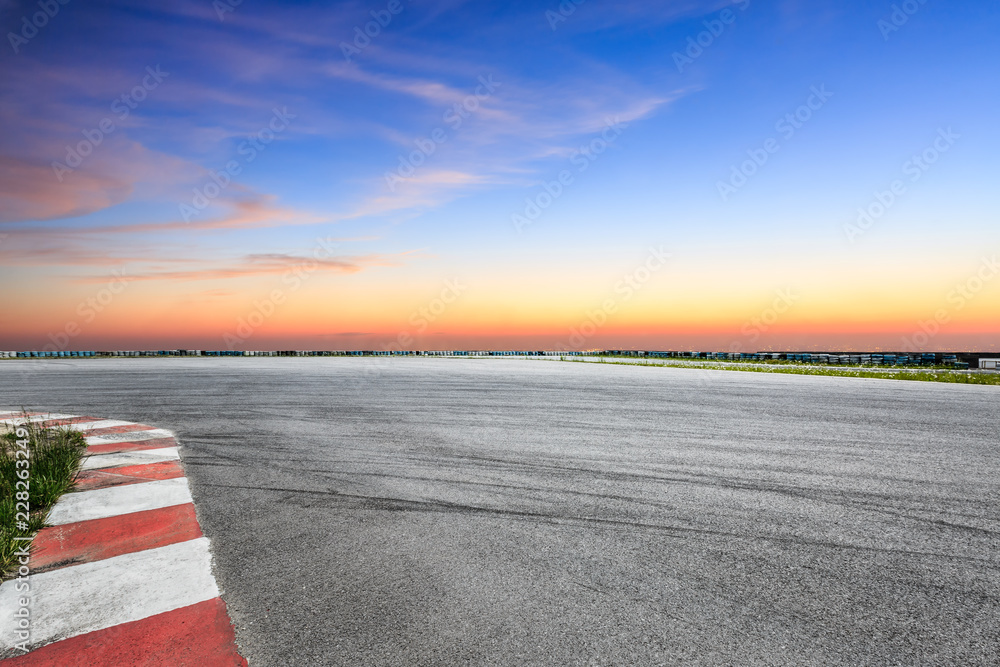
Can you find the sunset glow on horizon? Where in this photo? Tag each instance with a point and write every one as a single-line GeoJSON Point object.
{"type": "Point", "coordinates": [697, 175]}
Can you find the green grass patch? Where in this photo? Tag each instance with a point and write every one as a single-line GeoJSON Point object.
{"type": "Point", "coordinates": [792, 368]}
{"type": "Point", "coordinates": [53, 459]}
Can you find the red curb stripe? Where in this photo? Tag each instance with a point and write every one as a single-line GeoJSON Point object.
{"type": "Point", "coordinates": [129, 445]}
{"type": "Point", "coordinates": [199, 635]}
{"type": "Point", "coordinates": [124, 428]}
{"type": "Point", "coordinates": [88, 480]}
{"type": "Point", "coordinates": [97, 539]}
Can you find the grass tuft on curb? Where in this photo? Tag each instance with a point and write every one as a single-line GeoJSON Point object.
{"type": "Point", "coordinates": [53, 458]}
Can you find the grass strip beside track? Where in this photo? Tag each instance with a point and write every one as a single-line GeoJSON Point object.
{"type": "Point", "coordinates": [958, 377]}
{"type": "Point", "coordinates": [53, 460]}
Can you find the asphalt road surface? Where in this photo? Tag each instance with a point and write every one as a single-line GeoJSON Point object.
{"type": "Point", "coordinates": [513, 511]}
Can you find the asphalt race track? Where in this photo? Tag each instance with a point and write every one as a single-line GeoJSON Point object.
{"type": "Point", "coordinates": [512, 511]}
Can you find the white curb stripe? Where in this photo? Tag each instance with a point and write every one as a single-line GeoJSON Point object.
{"type": "Point", "coordinates": [130, 436]}
{"type": "Point", "coordinates": [36, 418]}
{"type": "Point", "coordinates": [137, 457]}
{"type": "Point", "coordinates": [93, 596]}
{"type": "Point", "coordinates": [116, 500]}
{"type": "Point", "coordinates": [100, 423]}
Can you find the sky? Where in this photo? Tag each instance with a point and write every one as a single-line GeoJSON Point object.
{"type": "Point", "coordinates": [688, 175]}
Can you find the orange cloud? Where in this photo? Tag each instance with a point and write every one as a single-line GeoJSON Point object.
{"type": "Point", "coordinates": [30, 191]}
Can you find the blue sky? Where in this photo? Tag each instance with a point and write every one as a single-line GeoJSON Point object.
{"type": "Point", "coordinates": [553, 86]}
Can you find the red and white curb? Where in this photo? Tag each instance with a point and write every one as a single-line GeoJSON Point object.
{"type": "Point", "coordinates": [123, 575]}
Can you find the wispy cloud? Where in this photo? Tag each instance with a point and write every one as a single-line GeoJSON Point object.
{"type": "Point", "coordinates": [222, 82]}
{"type": "Point", "coordinates": [508, 133]}
{"type": "Point", "coordinates": [256, 265]}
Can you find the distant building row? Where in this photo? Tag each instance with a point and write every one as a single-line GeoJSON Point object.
{"type": "Point", "coordinates": [48, 354]}
{"type": "Point", "coordinates": [958, 360]}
